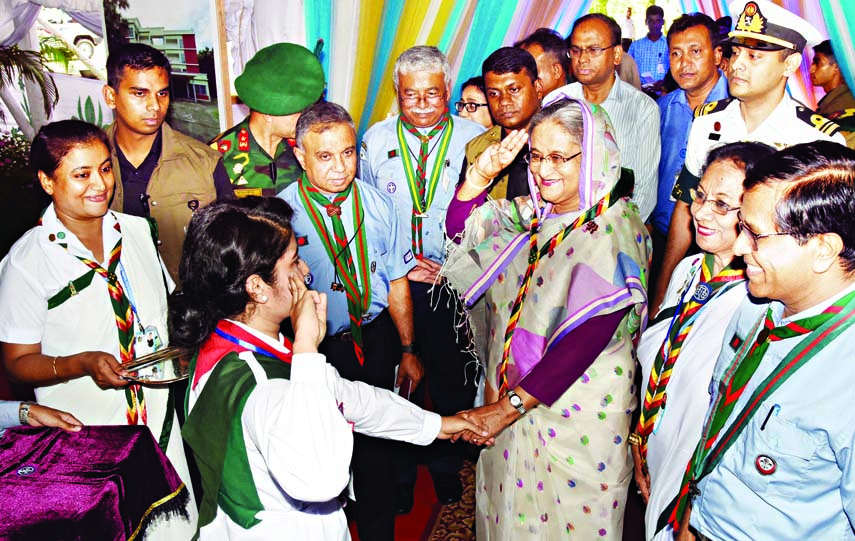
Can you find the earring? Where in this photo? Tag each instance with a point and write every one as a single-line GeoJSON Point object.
{"type": "Point", "coordinates": [263, 298]}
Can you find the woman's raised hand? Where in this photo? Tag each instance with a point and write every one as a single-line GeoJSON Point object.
{"type": "Point", "coordinates": [308, 315]}
{"type": "Point", "coordinates": [500, 155]}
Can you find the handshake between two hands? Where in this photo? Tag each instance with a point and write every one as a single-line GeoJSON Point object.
{"type": "Point", "coordinates": [478, 425]}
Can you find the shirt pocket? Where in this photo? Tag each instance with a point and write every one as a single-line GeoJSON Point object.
{"type": "Point", "coordinates": [777, 455]}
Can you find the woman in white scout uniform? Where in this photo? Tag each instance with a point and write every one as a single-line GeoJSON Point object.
{"type": "Point", "coordinates": [84, 291]}
{"type": "Point", "coordinates": [269, 421]}
{"type": "Point", "coordinates": [678, 350]}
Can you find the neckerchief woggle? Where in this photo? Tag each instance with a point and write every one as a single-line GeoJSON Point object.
{"type": "Point", "coordinates": [820, 329]}
{"type": "Point", "coordinates": [421, 190]}
{"type": "Point", "coordinates": [681, 325]}
{"type": "Point", "coordinates": [339, 253]}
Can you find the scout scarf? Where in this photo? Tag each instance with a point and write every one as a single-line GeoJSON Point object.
{"type": "Point", "coordinates": [124, 316]}
{"type": "Point", "coordinates": [681, 325]}
{"type": "Point", "coordinates": [534, 256]}
{"type": "Point", "coordinates": [422, 191]}
{"type": "Point", "coordinates": [338, 249]}
{"type": "Point", "coordinates": [820, 329]}
{"type": "Point", "coordinates": [228, 338]}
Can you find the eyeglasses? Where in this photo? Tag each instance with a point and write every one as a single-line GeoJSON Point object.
{"type": "Point", "coordinates": [593, 52]}
{"type": "Point", "coordinates": [718, 206]}
{"type": "Point", "coordinates": [470, 107]}
{"type": "Point", "coordinates": [754, 237]}
{"type": "Point", "coordinates": [555, 160]}
{"type": "Point", "coordinates": [430, 96]}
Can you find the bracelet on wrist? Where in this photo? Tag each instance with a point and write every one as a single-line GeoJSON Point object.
{"type": "Point", "coordinates": [55, 373]}
{"type": "Point", "coordinates": [482, 175]}
{"type": "Point", "coordinates": [634, 439]}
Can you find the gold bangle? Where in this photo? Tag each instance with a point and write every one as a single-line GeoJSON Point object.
{"type": "Point", "coordinates": [53, 365]}
{"type": "Point", "coordinates": [474, 185]}
{"type": "Point", "coordinates": [481, 172]}
{"type": "Point", "coordinates": [634, 439]}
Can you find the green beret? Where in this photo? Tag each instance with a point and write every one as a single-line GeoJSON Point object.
{"type": "Point", "coordinates": [281, 79]}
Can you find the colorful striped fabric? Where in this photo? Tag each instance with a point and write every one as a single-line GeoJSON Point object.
{"type": "Point", "coordinates": [363, 38]}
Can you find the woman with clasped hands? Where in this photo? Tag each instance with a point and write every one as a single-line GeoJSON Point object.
{"type": "Point", "coordinates": [84, 291]}
{"type": "Point", "coordinates": [561, 278]}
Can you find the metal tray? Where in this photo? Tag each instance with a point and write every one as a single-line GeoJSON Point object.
{"type": "Point", "coordinates": [161, 367]}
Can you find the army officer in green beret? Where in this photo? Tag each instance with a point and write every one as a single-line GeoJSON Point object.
{"type": "Point", "coordinates": [277, 84]}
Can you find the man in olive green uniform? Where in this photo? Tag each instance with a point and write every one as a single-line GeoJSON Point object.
{"type": "Point", "coordinates": [277, 84]}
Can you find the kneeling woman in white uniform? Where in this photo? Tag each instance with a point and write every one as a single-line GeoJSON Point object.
{"type": "Point", "coordinates": [269, 421]}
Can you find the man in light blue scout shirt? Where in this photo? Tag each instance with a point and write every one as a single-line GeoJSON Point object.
{"type": "Point", "coordinates": [695, 53]}
{"type": "Point", "coordinates": [358, 254]}
{"type": "Point", "coordinates": [415, 158]}
{"type": "Point", "coordinates": [777, 454]}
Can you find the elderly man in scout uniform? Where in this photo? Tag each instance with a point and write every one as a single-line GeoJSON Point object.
{"type": "Point", "coordinates": [277, 84]}
{"type": "Point", "coordinates": [351, 238]}
{"type": "Point", "coordinates": [776, 456]}
{"type": "Point", "coordinates": [415, 159]}
{"type": "Point", "coordinates": [767, 42]}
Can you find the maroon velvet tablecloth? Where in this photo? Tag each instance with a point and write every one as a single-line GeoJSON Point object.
{"type": "Point", "coordinates": [104, 483]}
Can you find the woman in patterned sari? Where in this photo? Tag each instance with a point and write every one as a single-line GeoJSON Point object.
{"type": "Point", "coordinates": [555, 286]}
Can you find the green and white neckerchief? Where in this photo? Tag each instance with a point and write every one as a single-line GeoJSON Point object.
{"type": "Point", "coordinates": [818, 331]}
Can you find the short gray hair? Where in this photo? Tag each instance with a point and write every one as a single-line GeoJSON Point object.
{"type": "Point", "coordinates": [321, 116]}
{"type": "Point", "coordinates": [422, 58]}
{"type": "Point", "coordinates": [566, 113]}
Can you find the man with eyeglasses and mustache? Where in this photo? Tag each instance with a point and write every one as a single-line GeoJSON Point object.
{"type": "Point", "coordinates": [595, 53]}
{"type": "Point", "coordinates": [514, 91]}
{"type": "Point", "coordinates": [767, 43]}
{"type": "Point", "coordinates": [415, 159]}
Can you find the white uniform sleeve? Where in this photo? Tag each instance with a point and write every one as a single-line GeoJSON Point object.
{"type": "Point", "coordinates": [302, 436]}
{"type": "Point", "coordinates": [696, 149]}
{"type": "Point", "coordinates": [23, 309]}
{"type": "Point", "coordinates": [383, 414]}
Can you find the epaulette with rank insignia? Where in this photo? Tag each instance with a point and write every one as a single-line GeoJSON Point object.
{"type": "Point", "coordinates": [824, 125]}
{"type": "Point", "coordinates": [224, 134]}
{"type": "Point", "coordinates": [712, 107]}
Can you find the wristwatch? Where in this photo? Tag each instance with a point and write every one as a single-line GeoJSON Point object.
{"type": "Point", "coordinates": [24, 412]}
{"type": "Point", "coordinates": [516, 402]}
{"type": "Point", "coordinates": [409, 348]}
